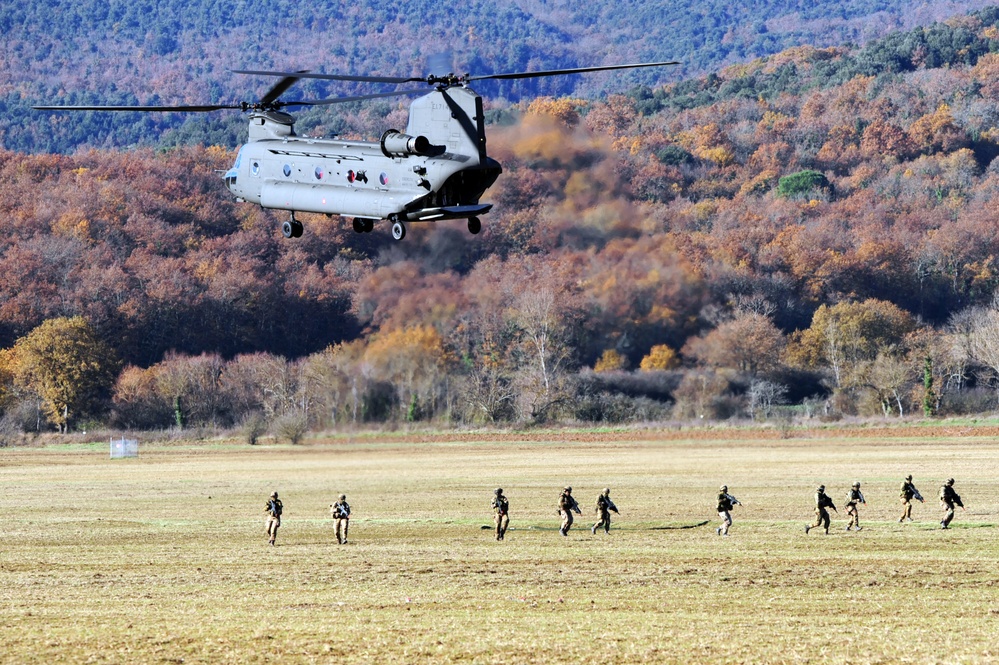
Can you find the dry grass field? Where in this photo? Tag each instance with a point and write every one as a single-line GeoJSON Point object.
{"type": "Point", "coordinates": [163, 558]}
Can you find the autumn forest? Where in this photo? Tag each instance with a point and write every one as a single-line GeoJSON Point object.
{"type": "Point", "coordinates": [810, 234]}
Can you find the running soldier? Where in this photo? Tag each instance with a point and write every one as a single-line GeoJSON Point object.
{"type": "Point", "coordinates": [822, 501]}
{"type": "Point", "coordinates": [906, 494]}
{"type": "Point", "coordinates": [852, 499]}
{"type": "Point", "coordinates": [501, 508]}
{"type": "Point", "coordinates": [725, 503]}
{"type": "Point", "coordinates": [948, 499]}
{"type": "Point", "coordinates": [566, 506]}
{"type": "Point", "coordinates": [604, 508]}
{"type": "Point", "coordinates": [340, 511]}
{"type": "Point", "coordinates": [274, 508]}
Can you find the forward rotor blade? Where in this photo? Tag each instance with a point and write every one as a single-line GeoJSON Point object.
{"type": "Point", "coordinates": [187, 109]}
{"type": "Point", "coordinates": [333, 77]}
{"type": "Point", "coordinates": [358, 98]}
{"type": "Point", "coordinates": [558, 72]}
{"type": "Point", "coordinates": [280, 88]}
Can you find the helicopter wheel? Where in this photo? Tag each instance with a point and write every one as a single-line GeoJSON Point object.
{"type": "Point", "coordinates": [398, 231]}
{"type": "Point", "coordinates": [369, 225]}
{"type": "Point", "coordinates": [474, 225]}
{"type": "Point", "coordinates": [358, 225]}
{"type": "Point", "coordinates": [292, 229]}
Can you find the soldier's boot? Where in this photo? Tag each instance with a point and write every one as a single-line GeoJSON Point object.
{"type": "Point", "coordinates": [943, 525]}
{"type": "Point", "coordinates": [808, 527]}
{"type": "Point", "coordinates": [607, 531]}
{"type": "Point", "coordinates": [593, 529]}
{"type": "Point", "coordinates": [827, 531]}
{"type": "Point", "coordinates": [848, 527]}
{"type": "Point", "coordinates": [718, 531]}
{"type": "Point", "coordinates": [859, 528]}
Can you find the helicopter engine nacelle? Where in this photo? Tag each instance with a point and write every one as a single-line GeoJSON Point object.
{"type": "Point", "coordinates": [396, 144]}
{"type": "Point", "coordinates": [271, 125]}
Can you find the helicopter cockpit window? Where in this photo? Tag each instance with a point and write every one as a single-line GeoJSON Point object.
{"type": "Point", "coordinates": [287, 170]}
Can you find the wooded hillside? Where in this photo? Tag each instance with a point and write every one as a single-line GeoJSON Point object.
{"type": "Point", "coordinates": [814, 228]}
{"type": "Point", "coordinates": [183, 52]}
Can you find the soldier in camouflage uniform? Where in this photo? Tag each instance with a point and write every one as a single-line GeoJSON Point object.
{"type": "Point", "coordinates": [604, 508]}
{"type": "Point", "coordinates": [852, 499]}
{"type": "Point", "coordinates": [501, 510]}
{"type": "Point", "coordinates": [822, 501]}
{"type": "Point", "coordinates": [566, 506]}
{"type": "Point", "coordinates": [906, 493]}
{"type": "Point", "coordinates": [949, 498]}
{"type": "Point", "coordinates": [725, 503]}
{"type": "Point", "coordinates": [274, 508]}
{"type": "Point", "coordinates": [340, 511]}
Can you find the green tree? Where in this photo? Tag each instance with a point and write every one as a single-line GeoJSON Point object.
{"type": "Point", "coordinates": [68, 367]}
{"type": "Point", "coordinates": [802, 184]}
{"type": "Point", "coordinates": [929, 395]}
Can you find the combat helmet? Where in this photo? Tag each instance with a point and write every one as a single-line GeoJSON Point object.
{"type": "Point", "coordinates": [950, 481]}
{"type": "Point", "coordinates": [273, 495]}
{"type": "Point", "coordinates": [498, 491]}
{"type": "Point", "coordinates": [723, 488]}
{"type": "Point", "coordinates": [909, 477]}
{"type": "Point", "coordinates": [820, 488]}
{"type": "Point", "coordinates": [343, 497]}
{"type": "Point", "coordinates": [856, 483]}
{"type": "Point", "coordinates": [606, 491]}
{"type": "Point", "coordinates": [566, 489]}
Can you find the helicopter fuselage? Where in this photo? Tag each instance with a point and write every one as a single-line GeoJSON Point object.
{"type": "Point", "coordinates": [438, 169]}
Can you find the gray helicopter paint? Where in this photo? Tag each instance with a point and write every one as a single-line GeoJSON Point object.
{"type": "Point", "coordinates": [375, 180]}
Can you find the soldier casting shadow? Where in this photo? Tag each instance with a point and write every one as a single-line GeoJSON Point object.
{"type": "Point", "coordinates": [340, 511]}
{"type": "Point", "coordinates": [566, 507]}
{"type": "Point", "coordinates": [274, 508]}
{"type": "Point", "coordinates": [501, 513]}
{"type": "Point", "coordinates": [822, 502]}
{"type": "Point", "coordinates": [948, 499]}
{"type": "Point", "coordinates": [604, 507]}
{"type": "Point", "coordinates": [725, 503]}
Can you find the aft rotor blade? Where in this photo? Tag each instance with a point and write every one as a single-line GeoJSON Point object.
{"type": "Point", "coordinates": [333, 77]}
{"type": "Point", "coordinates": [558, 72]}
{"type": "Point", "coordinates": [188, 109]}
{"type": "Point", "coordinates": [358, 98]}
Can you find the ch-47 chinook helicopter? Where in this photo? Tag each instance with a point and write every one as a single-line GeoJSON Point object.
{"type": "Point", "coordinates": [436, 170]}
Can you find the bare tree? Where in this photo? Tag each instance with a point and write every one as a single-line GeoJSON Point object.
{"type": "Point", "coordinates": [763, 396]}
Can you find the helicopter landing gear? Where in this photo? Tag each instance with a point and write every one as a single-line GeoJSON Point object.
{"type": "Point", "coordinates": [363, 225]}
{"type": "Point", "coordinates": [398, 230]}
{"type": "Point", "coordinates": [474, 225]}
{"type": "Point", "coordinates": [292, 228]}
